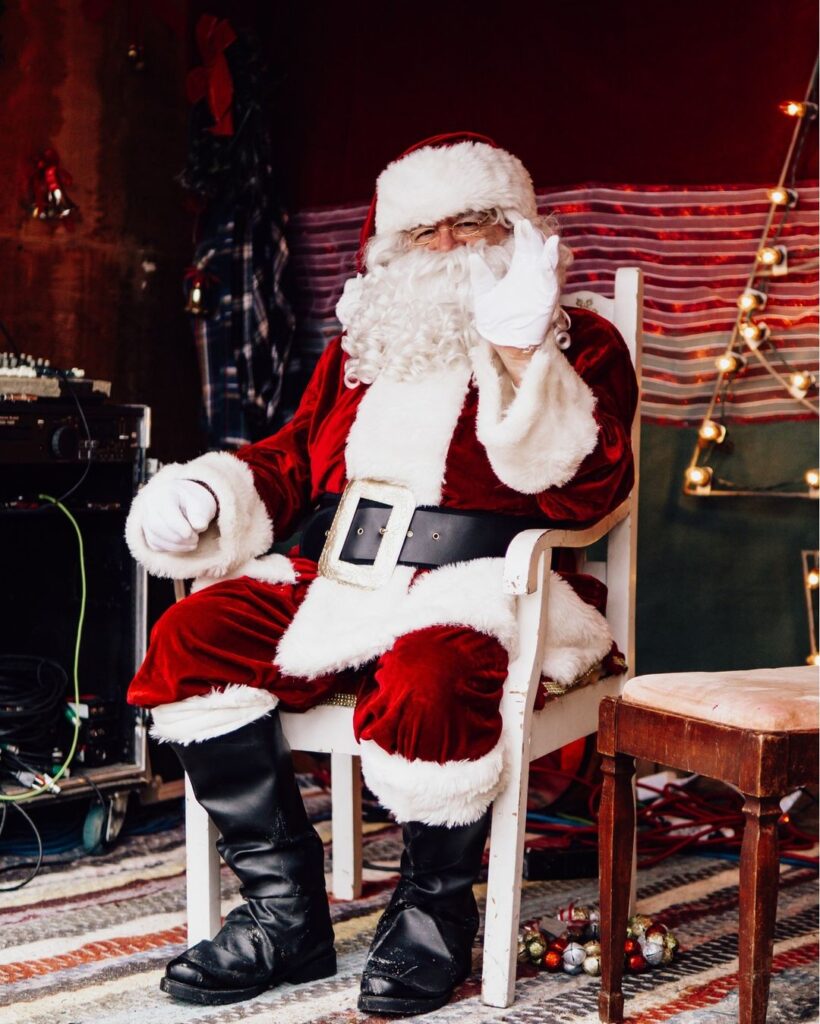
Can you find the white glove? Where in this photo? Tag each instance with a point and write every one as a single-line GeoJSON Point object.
{"type": "Point", "coordinates": [517, 310]}
{"type": "Point", "coordinates": [179, 510]}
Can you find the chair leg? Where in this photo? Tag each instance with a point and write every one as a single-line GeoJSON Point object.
{"type": "Point", "coordinates": [616, 842]}
{"type": "Point", "coordinates": [759, 876]}
{"type": "Point", "coordinates": [504, 887]}
{"type": "Point", "coordinates": [201, 871]}
{"type": "Point", "coordinates": [346, 798]}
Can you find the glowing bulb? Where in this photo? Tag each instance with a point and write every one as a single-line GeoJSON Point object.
{"type": "Point", "coordinates": [812, 477]}
{"type": "Point", "coordinates": [729, 362]}
{"type": "Point", "coordinates": [698, 479]}
{"type": "Point", "coordinates": [711, 431]}
{"type": "Point", "coordinates": [751, 299]}
{"type": "Point", "coordinates": [800, 383]}
{"type": "Point", "coordinates": [795, 109]}
{"type": "Point", "coordinates": [196, 295]}
{"type": "Point", "coordinates": [813, 579]}
{"type": "Point", "coordinates": [781, 196]}
{"type": "Point", "coordinates": [754, 333]}
{"type": "Point", "coordinates": [772, 255]}
{"type": "Point", "coordinates": [813, 659]}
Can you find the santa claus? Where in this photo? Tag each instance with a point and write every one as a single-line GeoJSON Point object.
{"type": "Point", "coordinates": [461, 405]}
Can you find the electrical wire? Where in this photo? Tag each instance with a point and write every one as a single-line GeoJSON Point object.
{"type": "Point", "coordinates": [48, 783]}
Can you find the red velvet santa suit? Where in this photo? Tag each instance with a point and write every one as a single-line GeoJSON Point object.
{"type": "Point", "coordinates": [428, 651]}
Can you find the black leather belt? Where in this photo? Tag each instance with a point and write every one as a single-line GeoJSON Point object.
{"type": "Point", "coordinates": [436, 536]}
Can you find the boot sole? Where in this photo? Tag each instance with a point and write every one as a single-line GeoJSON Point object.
{"type": "Point", "coordinates": [401, 1007]}
{"type": "Point", "coordinates": [323, 967]}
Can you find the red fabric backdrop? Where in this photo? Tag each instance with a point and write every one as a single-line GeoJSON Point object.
{"type": "Point", "coordinates": [636, 91]}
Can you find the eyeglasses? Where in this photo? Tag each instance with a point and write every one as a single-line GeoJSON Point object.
{"type": "Point", "coordinates": [468, 225]}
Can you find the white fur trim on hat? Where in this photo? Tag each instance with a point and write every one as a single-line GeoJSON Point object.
{"type": "Point", "coordinates": [435, 182]}
{"type": "Point", "coordinates": [453, 793]}
{"type": "Point", "coordinates": [242, 529]}
{"type": "Point", "coordinates": [211, 714]}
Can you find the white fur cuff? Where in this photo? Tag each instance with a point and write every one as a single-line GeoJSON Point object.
{"type": "Point", "coordinates": [241, 531]}
{"type": "Point", "coordinates": [538, 436]}
{"type": "Point", "coordinates": [453, 793]}
{"type": "Point", "coordinates": [213, 714]}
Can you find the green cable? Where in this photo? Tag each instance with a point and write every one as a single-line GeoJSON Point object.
{"type": "Point", "coordinates": [83, 592]}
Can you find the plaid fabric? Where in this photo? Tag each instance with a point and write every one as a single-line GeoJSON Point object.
{"type": "Point", "coordinates": [244, 341]}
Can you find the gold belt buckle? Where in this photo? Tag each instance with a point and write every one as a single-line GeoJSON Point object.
{"type": "Point", "coordinates": [376, 575]}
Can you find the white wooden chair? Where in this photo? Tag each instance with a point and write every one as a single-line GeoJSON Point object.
{"type": "Point", "coordinates": [329, 728]}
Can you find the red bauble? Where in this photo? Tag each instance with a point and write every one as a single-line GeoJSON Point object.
{"type": "Point", "coordinates": [631, 946]}
{"type": "Point", "coordinates": [553, 961]}
{"type": "Point", "coordinates": [559, 944]}
{"type": "Point", "coordinates": [636, 963]}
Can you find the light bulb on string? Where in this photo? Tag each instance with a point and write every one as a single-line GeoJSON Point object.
{"type": "Point", "coordinates": [774, 259]}
{"type": "Point", "coordinates": [698, 480]}
{"type": "Point", "coordinates": [800, 383]}
{"type": "Point", "coordinates": [730, 362]}
{"type": "Point", "coordinates": [782, 196]}
{"type": "Point", "coordinates": [711, 432]}
{"type": "Point", "coordinates": [751, 300]}
{"type": "Point", "coordinates": [796, 109]}
{"type": "Point", "coordinates": [813, 659]}
{"type": "Point", "coordinates": [812, 477]}
{"type": "Point", "coordinates": [754, 334]}
{"type": "Point", "coordinates": [813, 579]}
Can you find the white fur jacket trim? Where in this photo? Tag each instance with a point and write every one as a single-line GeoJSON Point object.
{"type": "Point", "coordinates": [454, 793]}
{"type": "Point", "coordinates": [213, 714]}
{"type": "Point", "coordinates": [241, 531]}
{"type": "Point", "coordinates": [536, 436]}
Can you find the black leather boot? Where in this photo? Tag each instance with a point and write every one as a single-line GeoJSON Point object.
{"type": "Point", "coordinates": [245, 781]}
{"type": "Point", "coordinates": [423, 943]}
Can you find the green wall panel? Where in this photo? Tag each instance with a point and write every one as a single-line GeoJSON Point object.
{"type": "Point", "coordinates": [720, 581]}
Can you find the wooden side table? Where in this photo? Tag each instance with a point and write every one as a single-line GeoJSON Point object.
{"type": "Point", "coordinates": [758, 731]}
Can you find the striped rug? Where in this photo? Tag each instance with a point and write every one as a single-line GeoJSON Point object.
{"type": "Point", "coordinates": [696, 246]}
{"type": "Point", "coordinates": [87, 944]}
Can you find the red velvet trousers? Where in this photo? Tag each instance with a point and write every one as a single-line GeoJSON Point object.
{"type": "Point", "coordinates": [435, 695]}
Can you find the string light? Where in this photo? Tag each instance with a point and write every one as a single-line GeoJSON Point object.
{"type": "Point", "coordinates": [813, 579]}
{"type": "Point", "coordinates": [813, 659]}
{"type": "Point", "coordinates": [800, 383]}
{"type": "Point", "coordinates": [774, 258]}
{"type": "Point", "coordinates": [698, 479]}
{"type": "Point", "coordinates": [712, 432]}
{"type": "Point", "coordinates": [730, 362]}
{"type": "Point", "coordinates": [812, 477]}
{"type": "Point", "coordinates": [754, 333]}
{"type": "Point", "coordinates": [782, 196]}
{"type": "Point", "coordinates": [795, 109]}
{"type": "Point", "coordinates": [751, 299]}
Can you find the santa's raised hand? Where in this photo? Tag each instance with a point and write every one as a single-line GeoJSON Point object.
{"type": "Point", "coordinates": [516, 311]}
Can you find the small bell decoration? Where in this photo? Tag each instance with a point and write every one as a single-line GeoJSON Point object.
{"type": "Point", "coordinates": [47, 195]}
{"type": "Point", "coordinates": [577, 949]}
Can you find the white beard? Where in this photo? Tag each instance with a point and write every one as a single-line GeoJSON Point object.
{"type": "Point", "coordinates": [412, 313]}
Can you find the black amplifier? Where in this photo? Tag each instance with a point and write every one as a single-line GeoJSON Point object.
{"type": "Point", "coordinates": [49, 430]}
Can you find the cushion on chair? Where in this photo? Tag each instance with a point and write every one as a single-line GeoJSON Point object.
{"type": "Point", "coordinates": [766, 699]}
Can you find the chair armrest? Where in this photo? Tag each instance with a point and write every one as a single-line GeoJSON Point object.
{"type": "Point", "coordinates": [526, 548]}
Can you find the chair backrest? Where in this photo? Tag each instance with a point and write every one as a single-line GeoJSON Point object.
{"type": "Point", "coordinates": [625, 311]}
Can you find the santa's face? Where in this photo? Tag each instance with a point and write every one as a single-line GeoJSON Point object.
{"type": "Point", "coordinates": [412, 313]}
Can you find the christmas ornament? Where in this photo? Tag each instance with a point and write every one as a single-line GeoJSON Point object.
{"type": "Point", "coordinates": [47, 195]}
{"type": "Point", "coordinates": [553, 961]}
{"type": "Point", "coordinates": [573, 957]}
{"type": "Point", "coordinates": [636, 963]}
{"type": "Point", "coordinates": [653, 953]}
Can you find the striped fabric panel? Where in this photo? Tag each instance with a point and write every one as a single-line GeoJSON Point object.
{"type": "Point", "coordinates": [696, 247]}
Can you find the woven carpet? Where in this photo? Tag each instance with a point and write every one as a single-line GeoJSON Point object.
{"type": "Point", "coordinates": [86, 944]}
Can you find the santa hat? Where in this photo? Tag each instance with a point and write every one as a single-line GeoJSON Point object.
{"type": "Point", "coordinates": [446, 175]}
